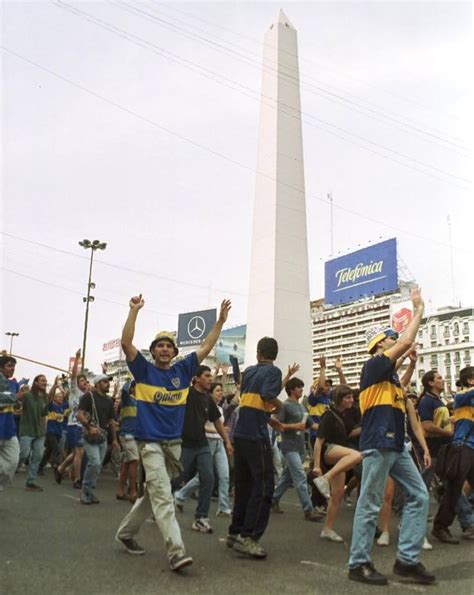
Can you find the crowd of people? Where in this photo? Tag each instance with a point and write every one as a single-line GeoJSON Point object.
{"type": "Point", "coordinates": [173, 432]}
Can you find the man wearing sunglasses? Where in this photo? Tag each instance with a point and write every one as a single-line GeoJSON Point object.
{"type": "Point", "coordinates": [382, 445]}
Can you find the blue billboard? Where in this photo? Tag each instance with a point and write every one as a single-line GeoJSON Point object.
{"type": "Point", "coordinates": [366, 272]}
{"type": "Point", "coordinates": [193, 327]}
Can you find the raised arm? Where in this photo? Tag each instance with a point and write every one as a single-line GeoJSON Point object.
{"type": "Point", "coordinates": [322, 374]}
{"type": "Point", "coordinates": [291, 372]}
{"type": "Point", "coordinates": [205, 348]}
{"type": "Point", "coordinates": [136, 304]}
{"type": "Point", "coordinates": [75, 365]}
{"type": "Point", "coordinates": [406, 378]}
{"type": "Point", "coordinates": [340, 373]}
{"type": "Point", "coordinates": [405, 341]}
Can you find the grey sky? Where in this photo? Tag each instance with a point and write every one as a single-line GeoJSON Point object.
{"type": "Point", "coordinates": [77, 167]}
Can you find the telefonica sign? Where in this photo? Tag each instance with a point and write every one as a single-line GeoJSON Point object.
{"type": "Point", "coordinates": [366, 272]}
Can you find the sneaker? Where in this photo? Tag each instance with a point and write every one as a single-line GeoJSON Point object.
{"type": "Point", "coordinates": [348, 500]}
{"type": "Point", "coordinates": [202, 525]}
{"type": "Point", "coordinates": [77, 485]}
{"type": "Point", "coordinates": [222, 513]}
{"type": "Point", "coordinates": [313, 516]}
{"type": "Point", "coordinates": [331, 535]}
{"type": "Point", "coordinates": [33, 487]}
{"type": "Point", "coordinates": [231, 539]}
{"type": "Point", "coordinates": [94, 500]}
{"type": "Point", "coordinates": [321, 510]}
{"type": "Point", "coordinates": [384, 539]}
{"type": "Point", "coordinates": [276, 507]}
{"type": "Point", "coordinates": [179, 561]}
{"type": "Point", "coordinates": [444, 535]}
{"type": "Point", "coordinates": [131, 546]}
{"type": "Point", "coordinates": [427, 545]}
{"type": "Point", "coordinates": [249, 547]}
{"type": "Point", "coordinates": [57, 475]}
{"type": "Point", "coordinates": [366, 573]}
{"type": "Point", "coordinates": [323, 486]}
{"type": "Point", "coordinates": [417, 572]}
{"type": "Point", "coordinates": [85, 501]}
{"type": "Point", "coordinates": [468, 533]}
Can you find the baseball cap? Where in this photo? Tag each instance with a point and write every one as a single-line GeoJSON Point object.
{"type": "Point", "coordinates": [100, 377]}
{"type": "Point", "coordinates": [378, 333]}
{"type": "Point", "coordinates": [165, 336]}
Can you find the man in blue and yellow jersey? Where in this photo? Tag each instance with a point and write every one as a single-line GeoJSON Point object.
{"type": "Point", "coordinates": [130, 456]}
{"type": "Point", "coordinates": [161, 392]}
{"type": "Point", "coordinates": [463, 437]}
{"type": "Point", "coordinates": [254, 483]}
{"type": "Point", "coordinates": [382, 444]}
{"type": "Point", "coordinates": [9, 447]}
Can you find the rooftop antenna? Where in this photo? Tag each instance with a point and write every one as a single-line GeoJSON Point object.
{"type": "Point", "coordinates": [331, 207]}
{"type": "Point", "coordinates": [451, 260]}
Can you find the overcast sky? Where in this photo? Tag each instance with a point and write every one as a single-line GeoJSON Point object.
{"type": "Point", "coordinates": [128, 125]}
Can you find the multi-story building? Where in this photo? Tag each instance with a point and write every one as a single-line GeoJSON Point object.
{"type": "Point", "coordinates": [446, 341]}
{"type": "Point", "coordinates": [340, 330]}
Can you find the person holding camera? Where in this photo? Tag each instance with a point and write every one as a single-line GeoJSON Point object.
{"type": "Point", "coordinates": [96, 414]}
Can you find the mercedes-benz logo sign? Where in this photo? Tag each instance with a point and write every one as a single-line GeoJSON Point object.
{"type": "Point", "coordinates": [196, 327]}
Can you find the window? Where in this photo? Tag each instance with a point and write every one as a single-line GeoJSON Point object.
{"type": "Point", "coordinates": [434, 361]}
{"type": "Point", "coordinates": [446, 332]}
{"type": "Point", "coordinates": [457, 357]}
{"type": "Point", "coordinates": [465, 328]}
{"type": "Point", "coordinates": [421, 373]}
{"type": "Point", "coordinates": [467, 357]}
{"type": "Point", "coordinates": [433, 333]}
{"type": "Point", "coordinates": [447, 359]}
{"type": "Point", "coordinates": [456, 329]}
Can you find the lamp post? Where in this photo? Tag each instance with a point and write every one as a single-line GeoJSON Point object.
{"type": "Point", "coordinates": [92, 246]}
{"type": "Point", "coordinates": [12, 335]}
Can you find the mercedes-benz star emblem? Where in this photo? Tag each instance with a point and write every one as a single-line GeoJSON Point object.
{"type": "Point", "coordinates": [196, 327]}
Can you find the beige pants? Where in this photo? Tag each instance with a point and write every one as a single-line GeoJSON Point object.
{"type": "Point", "coordinates": [157, 499]}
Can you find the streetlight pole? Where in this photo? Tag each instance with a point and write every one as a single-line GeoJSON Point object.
{"type": "Point", "coordinates": [12, 335]}
{"type": "Point", "coordinates": [92, 246]}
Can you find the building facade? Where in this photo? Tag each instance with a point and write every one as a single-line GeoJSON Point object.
{"type": "Point", "coordinates": [446, 341]}
{"type": "Point", "coordinates": [339, 331]}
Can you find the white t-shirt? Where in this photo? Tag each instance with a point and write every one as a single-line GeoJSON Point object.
{"type": "Point", "coordinates": [74, 397]}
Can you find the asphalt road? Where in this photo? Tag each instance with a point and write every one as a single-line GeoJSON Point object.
{"type": "Point", "coordinates": [50, 544]}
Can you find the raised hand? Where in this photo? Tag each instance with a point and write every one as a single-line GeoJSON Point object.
{"type": "Point", "coordinates": [78, 353]}
{"type": "Point", "coordinates": [416, 299]}
{"type": "Point", "coordinates": [136, 302]}
{"type": "Point", "coordinates": [338, 363]}
{"type": "Point", "coordinates": [322, 361]}
{"type": "Point", "coordinates": [226, 305]}
{"type": "Point", "coordinates": [293, 369]}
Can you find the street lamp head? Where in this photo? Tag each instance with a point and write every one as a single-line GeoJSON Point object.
{"type": "Point", "coordinates": [9, 334]}
{"type": "Point", "coordinates": [95, 243]}
{"type": "Point", "coordinates": [92, 285]}
{"type": "Point", "coordinates": [102, 246]}
{"type": "Point", "coordinates": [85, 243]}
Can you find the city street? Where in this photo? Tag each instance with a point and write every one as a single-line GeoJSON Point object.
{"type": "Point", "coordinates": [52, 544]}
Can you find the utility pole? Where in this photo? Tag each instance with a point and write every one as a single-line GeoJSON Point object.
{"type": "Point", "coordinates": [92, 246]}
{"type": "Point", "coordinates": [12, 336]}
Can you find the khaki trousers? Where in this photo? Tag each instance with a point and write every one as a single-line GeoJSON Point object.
{"type": "Point", "coordinates": [157, 498]}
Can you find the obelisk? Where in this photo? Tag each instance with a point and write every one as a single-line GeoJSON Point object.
{"type": "Point", "coordinates": [279, 303]}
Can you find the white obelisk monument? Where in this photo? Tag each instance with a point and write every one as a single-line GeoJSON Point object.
{"type": "Point", "coordinates": [279, 303]}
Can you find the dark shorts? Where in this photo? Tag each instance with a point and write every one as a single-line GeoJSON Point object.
{"type": "Point", "coordinates": [74, 437]}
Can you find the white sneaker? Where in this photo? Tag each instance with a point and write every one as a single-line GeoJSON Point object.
{"type": "Point", "coordinates": [427, 545]}
{"type": "Point", "coordinates": [202, 525]}
{"type": "Point", "coordinates": [331, 535]}
{"type": "Point", "coordinates": [323, 486]}
{"type": "Point", "coordinates": [384, 539]}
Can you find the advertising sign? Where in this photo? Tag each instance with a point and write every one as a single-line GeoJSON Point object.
{"type": "Point", "coordinates": [401, 314]}
{"type": "Point", "coordinates": [193, 327]}
{"type": "Point", "coordinates": [112, 350]}
{"type": "Point", "coordinates": [366, 272]}
{"type": "Point", "coordinates": [231, 342]}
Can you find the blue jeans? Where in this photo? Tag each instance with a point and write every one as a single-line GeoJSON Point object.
{"type": "Point", "coordinates": [95, 455]}
{"type": "Point", "coordinates": [221, 465]}
{"type": "Point", "coordinates": [376, 465]}
{"type": "Point", "coordinates": [198, 460]}
{"type": "Point", "coordinates": [9, 456]}
{"type": "Point", "coordinates": [294, 475]}
{"type": "Point", "coordinates": [35, 447]}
